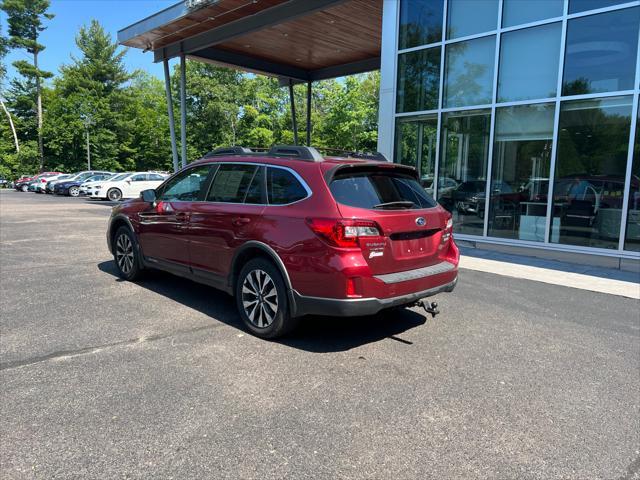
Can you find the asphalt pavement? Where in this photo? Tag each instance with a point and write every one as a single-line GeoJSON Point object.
{"type": "Point", "coordinates": [101, 378]}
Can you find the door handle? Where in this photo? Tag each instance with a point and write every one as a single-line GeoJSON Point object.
{"type": "Point", "coordinates": [182, 217]}
{"type": "Point", "coordinates": [238, 221]}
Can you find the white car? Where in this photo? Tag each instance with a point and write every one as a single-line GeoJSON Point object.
{"type": "Point", "coordinates": [96, 180]}
{"type": "Point", "coordinates": [41, 186]}
{"type": "Point", "coordinates": [127, 185]}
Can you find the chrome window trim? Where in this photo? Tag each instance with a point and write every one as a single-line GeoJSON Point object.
{"type": "Point", "coordinates": [266, 165]}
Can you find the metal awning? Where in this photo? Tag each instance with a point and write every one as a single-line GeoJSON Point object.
{"type": "Point", "coordinates": [303, 40]}
{"type": "Point", "coordinates": [298, 41]}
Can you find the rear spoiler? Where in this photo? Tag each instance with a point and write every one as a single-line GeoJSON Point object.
{"type": "Point", "coordinates": [368, 167]}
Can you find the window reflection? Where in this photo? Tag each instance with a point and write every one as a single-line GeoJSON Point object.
{"type": "Point", "coordinates": [601, 52]}
{"type": "Point", "coordinates": [416, 146]}
{"type": "Point", "coordinates": [418, 80]}
{"type": "Point", "coordinates": [518, 12]}
{"type": "Point", "coordinates": [463, 168]}
{"type": "Point", "coordinates": [584, 5]}
{"type": "Point", "coordinates": [520, 178]}
{"type": "Point", "coordinates": [632, 238]}
{"type": "Point", "coordinates": [469, 72]}
{"type": "Point", "coordinates": [529, 63]}
{"type": "Point", "coordinates": [590, 171]}
{"type": "Point", "coordinates": [468, 17]}
{"type": "Point", "coordinates": [420, 22]}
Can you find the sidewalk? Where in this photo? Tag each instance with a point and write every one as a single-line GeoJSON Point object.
{"type": "Point", "coordinates": [584, 277]}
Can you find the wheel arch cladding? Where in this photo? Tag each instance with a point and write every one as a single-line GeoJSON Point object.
{"type": "Point", "coordinates": [251, 250]}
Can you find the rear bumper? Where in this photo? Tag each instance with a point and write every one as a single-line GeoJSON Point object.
{"type": "Point", "coordinates": [305, 305]}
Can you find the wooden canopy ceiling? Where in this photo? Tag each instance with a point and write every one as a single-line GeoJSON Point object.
{"type": "Point", "coordinates": [302, 40]}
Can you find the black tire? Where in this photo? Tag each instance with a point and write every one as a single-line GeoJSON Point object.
{"type": "Point", "coordinates": [127, 259]}
{"type": "Point", "coordinates": [114, 194]}
{"type": "Point", "coordinates": [74, 191]}
{"type": "Point", "coordinates": [281, 322]}
{"type": "Point", "coordinates": [24, 188]}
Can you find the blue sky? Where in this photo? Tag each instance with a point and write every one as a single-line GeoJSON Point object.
{"type": "Point", "coordinates": [114, 15]}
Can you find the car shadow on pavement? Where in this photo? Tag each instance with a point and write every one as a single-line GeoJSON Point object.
{"type": "Point", "coordinates": [315, 334]}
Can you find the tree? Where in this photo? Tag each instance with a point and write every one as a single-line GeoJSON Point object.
{"type": "Point", "coordinates": [4, 49]}
{"type": "Point", "coordinates": [25, 18]}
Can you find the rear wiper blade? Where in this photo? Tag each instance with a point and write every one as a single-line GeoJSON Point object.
{"type": "Point", "coordinates": [398, 204]}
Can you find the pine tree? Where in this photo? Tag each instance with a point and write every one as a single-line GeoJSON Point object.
{"type": "Point", "coordinates": [25, 19]}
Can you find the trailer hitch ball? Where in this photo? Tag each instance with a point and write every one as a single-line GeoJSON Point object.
{"type": "Point", "coordinates": [429, 307]}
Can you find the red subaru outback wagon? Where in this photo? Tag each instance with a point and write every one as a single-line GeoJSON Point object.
{"type": "Point", "coordinates": [290, 233]}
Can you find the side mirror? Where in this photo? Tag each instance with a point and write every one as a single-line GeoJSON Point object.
{"type": "Point", "coordinates": [148, 196]}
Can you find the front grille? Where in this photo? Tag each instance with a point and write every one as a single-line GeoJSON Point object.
{"type": "Point", "coordinates": [414, 235]}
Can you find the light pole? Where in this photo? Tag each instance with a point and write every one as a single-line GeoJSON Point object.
{"type": "Point", "coordinates": [88, 121]}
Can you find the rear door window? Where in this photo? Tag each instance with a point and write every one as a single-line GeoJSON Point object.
{"type": "Point", "coordinates": [379, 189]}
{"type": "Point", "coordinates": [283, 187]}
{"type": "Point", "coordinates": [231, 183]}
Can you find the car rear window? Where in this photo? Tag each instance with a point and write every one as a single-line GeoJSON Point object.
{"type": "Point", "coordinates": [379, 189]}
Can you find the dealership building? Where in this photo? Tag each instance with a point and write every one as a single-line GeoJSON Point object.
{"type": "Point", "coordinates": [521, 116]}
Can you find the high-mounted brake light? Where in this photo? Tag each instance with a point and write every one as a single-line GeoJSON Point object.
{"type": "Point", "coordinates": [343, 233]}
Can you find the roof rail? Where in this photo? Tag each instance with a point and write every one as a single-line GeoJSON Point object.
{"type": "Point", "coordinates": [228, 151]}
{"type": "Point", "coordinates": [369, 156]}
{"type": "Point", "coordinates": [294, 151]}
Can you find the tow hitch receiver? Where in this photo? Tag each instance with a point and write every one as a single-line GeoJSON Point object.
{"type": "Point", "coordinates": [431, 308]}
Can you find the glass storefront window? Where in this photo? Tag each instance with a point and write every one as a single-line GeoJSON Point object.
{"type": "Point", "coordinates": [420, 22]}
{"type": "Point", "coordinates": [520, 172]}
{"type": "Point", "coordinates": [468, 17]}
{"type": "Point", "coordinates": [593, 142]}
{"type": "Point", "coordinates": [632, 238]}
{"type": "Point", "coordinates": [463, 167]}
{"type": "Point", "coordinates": [416, 141]}
{"type": "Point", "coordinates": [418, 80]}
{"type": "Point", "coordinates": [529, 63]}
{"type": "Point", "coordinates": [601, 52]}
{"type": "Point", "coordinates": [518, 12]}
{"type": "Point", "coordinates": [576, 6]}
{"type": "Point", "coordinates": [469, 72]}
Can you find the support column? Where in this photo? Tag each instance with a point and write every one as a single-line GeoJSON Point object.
{"type": "Point", "coordinates": [172, 123]}
{"type": "Point", "coordinates": [308, 114]}
{"type": "Point", "coordinates": [183, 108]}
{"type": "Point", "coordinates": [294, 121]}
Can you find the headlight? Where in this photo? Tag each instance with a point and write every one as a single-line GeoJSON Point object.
{"type": "Point", "coordinates": [98, 187]}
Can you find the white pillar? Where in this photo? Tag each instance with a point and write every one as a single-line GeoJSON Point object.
{"type": "Point", "coordinates": [387, 101]}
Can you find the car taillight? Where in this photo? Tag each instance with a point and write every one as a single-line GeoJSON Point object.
{"type": "Point", "coordinates": [43, 180]}
{"type": "Point", "coordinates": [343, 233]}
{"type": "Point", "coordinates": [448, 230]}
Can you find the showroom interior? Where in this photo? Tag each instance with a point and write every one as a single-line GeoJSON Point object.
{"type": "Point", "coordinates": [521, 117]}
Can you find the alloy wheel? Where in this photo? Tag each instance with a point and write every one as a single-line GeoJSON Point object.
{"type": "Point", "coordinates": [124, 253]}
{"type": "Point", "coordinates": [74, 191]}
{"type": "Point", "coordinates": [259, 298]}
{"type": "Point", "coordinates": [114, 195]}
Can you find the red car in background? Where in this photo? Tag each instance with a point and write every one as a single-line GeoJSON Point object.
{"type": "Point", "coordinates": [290, 233]}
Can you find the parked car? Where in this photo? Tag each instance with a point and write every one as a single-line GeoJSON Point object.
{"type": "Point", "coordinates": [97, 178]}
{"type": "Point", "coordinates": [88, 188]}
{"type": "Point", "coordinates": [128, 186]}
{"type": "Point", "coordinates": [22, 184]}
{"type": "Point", "coordinates": [40, 185]}
{"type": "Point", "coordinates": [71, 186]}
{"type": "Point", "coordinates": [290, 233]}
{"type": "Point", "coordinates": [48, 187]}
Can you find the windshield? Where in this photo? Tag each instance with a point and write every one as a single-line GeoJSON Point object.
{"type": "Point", "coordinates": [379, 189]}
